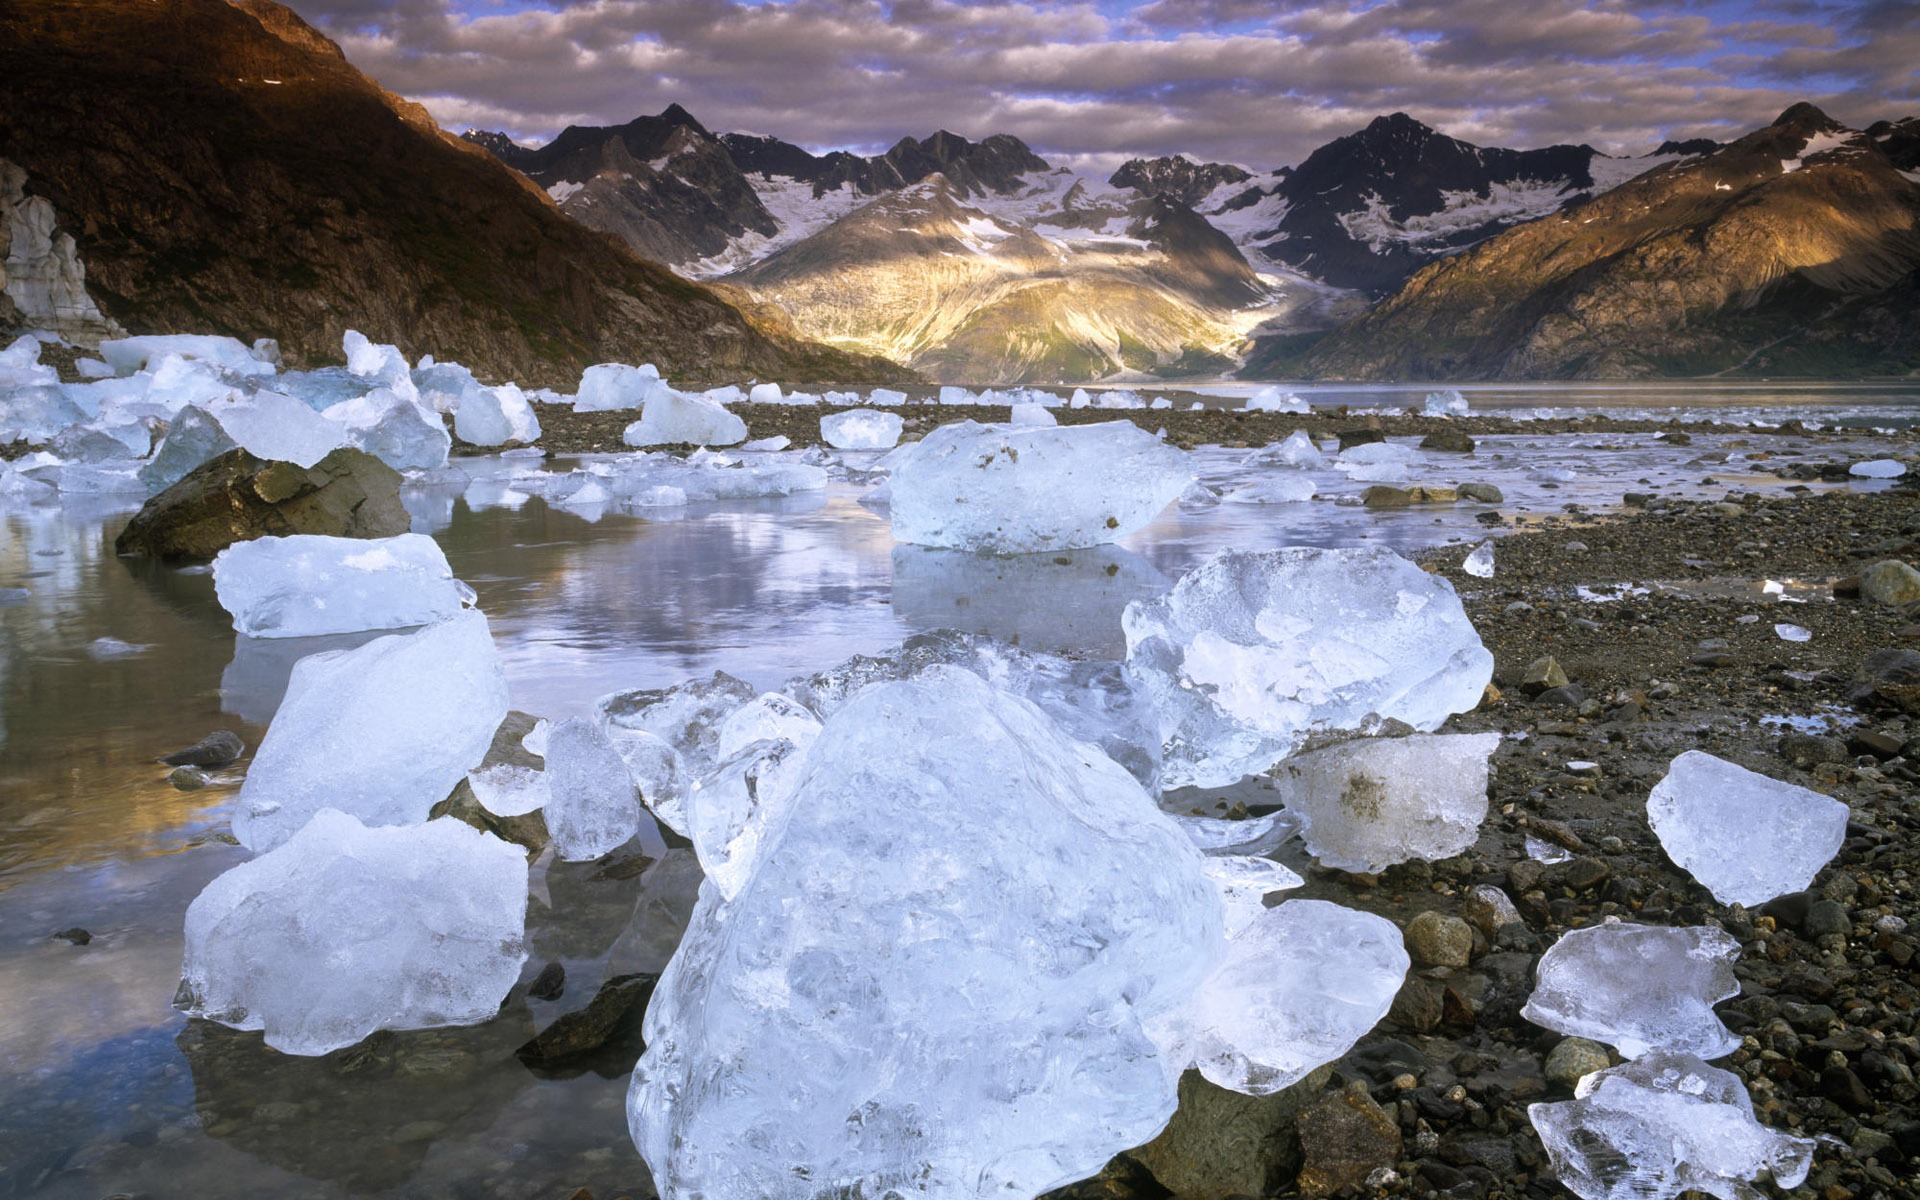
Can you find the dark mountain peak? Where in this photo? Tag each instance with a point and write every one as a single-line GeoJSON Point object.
{"type": "Point", "coordinates": [1398, 127]}
{"type": "Point", "coordinates": [996, 164]}
{"type": "Point", "coordinates": [1806, 114]}
{"type": "Point", "coordinates": [673, 114]}
{"type": "Point", "coordinates": [1176, 175]}
{"type": "Point", "coordinates": [287, 25]}
{"type": "Point", "coordinates": [1688, 146]}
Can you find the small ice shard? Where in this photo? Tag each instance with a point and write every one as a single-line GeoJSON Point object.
{"type": "Point", "coordinates": [1031, 414]}
{"type": "Point", "coordinates": [952, 873]}
{"type": "Point", "coordinates": [591, 805]}
{"type": "Point", "coordinates": [767, 445]}
{"type": "Point", "coordinates": [1663, 1125]}
{"type": "Point", "coordinates": [1793, 633]}
{"type": "Point", "coordinates": [1748, 838]}
{"type": "Point", "coordinates": [1302, 982]}
{"type": "Point", "coordinates": [1448, 403]}
{"type": "Point", "coordinates": [1878, 468]}
{"type": "Point", "coordinates": [1295, 450]}
{"type": "Point", "coordinates": [343, 930]}
{"type": "Point", "coordinates": [383, 731]}
{"type": "Point", "coordinates": [310, 584]}
{"type": "Point", "coordinates": [107, 648]}
{"type": "Point", "coordinates": [861, 429]}
{"type": "Point", "coordinates": [1274, 489]}
{"type": "Point", "coordinates": [535, 743]}
{"type": "Point", "coordinates": [1368, 804]}
{"type": "Point", "coordinates": [1638, 988]}
{"type": "Point", "coordinates": [1226, 837]}
{"type": "Point", "coordinates": [606, 387]}
{"type": "Point", "coordinates": [1272, 399]}
{"type": "Point", "coordinates": [1479, 563]}
{"type": "Point", "coordinates": [507, 790]}
{"type": "Point", "coordinates": [659, 772]}
{"type": "Point", "coordinates": [278, 428]}
{"type": "Point", "coordinates": [670, 418]}
{"type": "Point", "coordinates": [1251, 651]}
{"type": "Point", "coordinates": [1245, 881]}
{"type": "Point", "coordinates": [1541, 850]}
{"type": "Point", "coordinates": [1015, 489]}
{"type": "Point", "coordinates": [687, 716]}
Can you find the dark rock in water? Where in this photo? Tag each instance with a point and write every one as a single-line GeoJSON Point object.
{"type": "Point", "coordinates": [586, 1030]}
{"type": "Point", "coordinates": [1485, 493]}
{"type": "Point", "coordinates": [1350, 438]}
{"type": "Point", "coordinates": [1221, 1143]}
{"type": "Point", "coordinates": [528, 829]}
{"type": "Point", "coordinates": [1344, 1138]}
{"type": "Point", "coordinates": [1453, 441]}
{"type": "Point", "coordinates": [217, 749]}
{"type": "Point", "coordinates": [237, 497]}
{"type": "Point", "coordinates": [549, 983]}
{"type": "Point", "coordinates": [188, 779]}
{"type": "Point", "coordinates": [76, 935]}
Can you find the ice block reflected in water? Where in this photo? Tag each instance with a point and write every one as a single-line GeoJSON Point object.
{"type": "Point", "coordinates": [1066, 602]}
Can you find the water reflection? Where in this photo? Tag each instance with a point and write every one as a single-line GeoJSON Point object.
{"type": "Point", "coordinates": [255, 682]}
{"type": "Point", "coordinates": [1067, 603]}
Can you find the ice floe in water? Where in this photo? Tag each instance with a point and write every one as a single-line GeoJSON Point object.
{"type": "Point", "coordinates": [1294, 450]}
{"type": "Point", "coordinates": [1251, 651]}
{"type": "Point", "coordinates": [310, 584]}
{"type": "Point", "coordinates": [1639, 988]}
{"type": "Point", "coordinates": [1878, 468]}
{"type": "Point", "coordinates": [1373, 802]}
{"type": "Point", "coordinates": [1664, 1124]}
{"type": "Point", "coordinates": [861, 429]}
{"type": "Point", "coordinates": [343, 930]}
{"type": "Point", "coordinates": [1006, 489]}
{"type": "Point", "coordinates": [1748, 838]}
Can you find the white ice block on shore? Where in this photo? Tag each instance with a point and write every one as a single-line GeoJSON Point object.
{"type": "Point", "coordinates": [309, 584]}
{"type": "Point", "coordinates": [1747, 837]}
{"type": "Point", "coordinates": [1639, 988]}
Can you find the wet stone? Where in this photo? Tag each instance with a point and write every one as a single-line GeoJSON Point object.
{"type": "Point", "coordinates": [188, 779]}
{"type": "Point", "coordinates": [586, 1030]}
{"type": "Point", "coordinates": [1573, 1058]}
{"type": "Point", "coordinates": [1221, 1143]}
{"type": "Point", "coordinates": [1436, 940]}
{"type": "Point", "coordinates": [215, 750]}
{"type": "Point", "coordinates": [550, 983]}
{"type": "Point", "coordinates": [1344, 1138]}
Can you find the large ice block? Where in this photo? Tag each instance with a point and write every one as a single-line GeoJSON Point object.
{"type": "Point", "coordinates": [394, 429]}
{"type": "Point", "coordinates": [343, 930]}
{"type": "Point", "coordinates": [129, 354]}
{"type": "Point", "coordinates": [383, 731]}
{"type": "Point", "coordinates": [1251, 651]}
{"type": "Point", "coordinates": [1639, 988]}
{"type": "Point", "coordinates": [609, 386]}
{"type": "Point", "coordinates": [310, 584]}
{"type": "Point", "coordinates": [670, 418]}
{"type": "Point", "coordinates": [492, 416]}
{"type": "Point", "coordinates": [1013, 489]}
{"type": "Point", "coordinates": [861, 429]}
{"type": "Point", "coordinates": [1368, 804]}
{"type": "Point", "coordinates": [279, 428]}
{"type": "Point", "coordinates": [37, 412]}
{"type": "Point", "coordinates": [1657, 1127]}
{"type": "Point", "coordinates": [591, 804]}
{"type": "Point", "coordinates": [1748, 838]}
{"type": "Point", "coordinates": [935, 977]}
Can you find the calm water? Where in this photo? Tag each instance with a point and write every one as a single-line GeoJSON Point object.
{"type": "Point", "coordinates": [107, 1090]}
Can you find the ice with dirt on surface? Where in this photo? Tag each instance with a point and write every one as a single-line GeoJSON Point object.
{"type": "Point", "coordinates": [1253, 650]}
{"type": "Point", "coordinates": [1273, 399]}
{"type": "Point", "coordinates": [1301, 983]}
{"type": "Point", "coordinates": [1479, 562]}
{"type": "Point", "coordinates": [507, 790]}
{"type": "Point", "coordinates": [607, 387]}
{"type": "Point", "coordinates": [1448, 403]}
{"type": "Point", "coordinates": [591, 803]}
{"type": "Point", "coordinates": [1747, 837]}
{"type": "Point", "coordinates": [311, 584]}
{"type": "Point", "coordinates": [279, 428]}
{"type": "Point", "coordinates": [1367, 804]}
{"type": "Point", "coordinates": [383, 731]}
{"type": "Point", "coordinates": [1297, 449]}
{"type": "Point", "coordinates": [343, 930]}
{"type": "Point", "coordinates": [672, 418]}
{"type": "Point", "coordinates": [951, 872]}
{"type": "Point", "coordinates": [861, 429]}
{"type": "Point", "coordinates": [1638, 988]}
{"type": "Point", "coordinates": [1006, 489]}
{"type": "Point", "coordinates": [494, 416]}
{"type": "Point", "coordinates": [1663, 1125]}
{"type": "Point", "coordinates": [1878, 468]}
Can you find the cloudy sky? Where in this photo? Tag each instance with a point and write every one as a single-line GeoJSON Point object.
{"type": "Point", "coordinates": [1234, 80]}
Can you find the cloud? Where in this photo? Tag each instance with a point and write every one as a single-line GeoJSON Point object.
{"type": "Point", "coordinates": [1235, 80]}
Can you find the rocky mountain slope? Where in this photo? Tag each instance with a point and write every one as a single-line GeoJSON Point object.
{"type": "Point", "coordinates": [222, 168]}
{"type": "Point", "coordinates": [1794, 250]}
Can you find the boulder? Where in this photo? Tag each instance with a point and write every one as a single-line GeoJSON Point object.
{"type": "Point", "coordinates": [236, 497]}
{"type": "Point", "coordinates": [1344, 1138]}
{"type": "Point", "coordinates": [1891, 582]}
{"type": "Point", "coordinates": [1888, 677]}
{"type": "Point", "coordinates": [1453, 441]}
{"type": "Point", "coordinates": [1221, 1143]}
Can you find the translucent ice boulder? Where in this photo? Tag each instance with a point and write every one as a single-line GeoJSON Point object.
{"type": "Point", "coordinates": [394, 429]}
{"type": "Point", "coordinates": [610, 386]}
{"type": "Point", "coordinates": [1638, 988]}
{"type": "Point", "coordinates": [1003, 489]}
{"type": "Point", "coordinates": [1244, 882]}
{"type": "Point", "coordinates": [1301, 983]}
{"type": "Point", "coordinates": [1031, 414]}
{"type": "Point", "coordinates": [1295, 450]}
{"type": "Point", "coordinates": [591, 805]}
{"type": "Point", "coordinates": [1479, 561]}
{"type": "Point", "coordinates": [1273, 399]}
{"type": "Point", "coordinates": [36, 413]}
{"type": "Point", "coordinates": [1662, 1125]}
{"type": "Point", "coordinates": [935, 977]}
{"type": "Point", "coordinates": [343, 930]}
{"type": "Point", "coordinates": [493, 416]}
{"type": "Point", "coordinates": [671, 736]}
{"type": "Point", "coordinates": [376, 362]}
{"type": "Point", "coordinates": [279, 428]}
{"type": "Point", "coordinates": [509, 790]}
{"type": "Point", "coordinates": [1368, 804]}
{"type": "Point", "coordinates": [1878, 468]}
{"type": "Point", "coordinates": [1448, 403]}
{"type": "Point", "coordinates": [861, 429]}
{"type": "Point", "coordinates": [193, 437]}
{"type": "Point", "coordinates": [383, 731]}
{"type": "Point", "coordinates": [670, 418]}
{"type": "Point", "coordinates": [1251, 651]}
{"type": "Point", "coordinates": [20, 365]}
{"type": "Point", "coordinates": [1748, 838]}
{"type": "Point", "coordinates": [309, 584]}
{"type": "Point", "coordinates": [1376, 461]}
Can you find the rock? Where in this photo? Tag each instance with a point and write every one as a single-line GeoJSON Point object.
{"type": "Point", "coordinates": [1222, 1144]}
{"type": "Point", "coordinates": [1453, 441]}
{"type": "Point", "coordinates": [1889, 677]}
{"type": "Point", "coordinates": [550, 983]}
{"type": "Point", "coordinates": [1573, 1058]}
{"type": "Point", "coordinates": [527, 830]}
{"type": "Point", "coordinates": [1420, 1005]}
{"type": "Point", "coordinates": [1382, 496]}
{"type": "Point", "coordinates": [76, 935]}
{"type": "Point", "coordinates": [217, 749]}
{"type": "Point", "coordinates": [1436, 940]}
{"type": "Point", "coordinates": [188, 779]}
{"type": "Point", "coordinates": [1349, 438]}
{"type": "Point", "coordinates": [1542, 674]}
{"type": "Point", "coordinates": [1827, 916]}
{"type": "Point", "coordinates": [1485, 493]}
{"type": "Point", "coordinates": [586, 1030]}
{"type": "Point", "coordinates": [1872, 741]}
{"type": "Point", "coordinates": [1810, 750]}
{"type": "Point", "coordinates": [1570, 696]}
{"type": "Point", "coordinates": [1890, 582]}
{"type": "Point", "coordinates": [236, 496]}
{"type": "Point", "coordinates": [1487, 908]}
{"type": "Point", "coordinates": [1344, 1138]}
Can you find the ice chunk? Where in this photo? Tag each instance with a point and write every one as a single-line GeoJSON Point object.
{"type": "Point", "coordinates": [1541, 850]}
{"type": "Point", "coordinates": [687, 716]}
{"type": "Point", "coordinates": [1272, 399]}
{"type": "Point", "coordinates": [1448, 403]}
{"type": "Point", "coordinates": [1016, 489]}
{"type": "Point", "coordinates": [769, 716]}
{"type": "Point", "coordinates": [35, 413]}
{"type": "Point", "coordinates": [506, 790]}
{"type": "Point", "coordinates": [492, 416]}
{"type": "Point", "coordinates": [20, 365]}
{"type": "Point", "coordinates": [1793, 633]}
{"type": "Point", "coordinates": [1301, 983]}
{"type": "Point", "coordinates": [765, 393]}
{"type": "Point", "coordinates": [735, 811]}
{"type": "Point", "coordinates": [343, 930]}
{"type": "Point", "coordinates": [1376, 461]}
{"type": "Point", "coordinates": [671, 418]}
{"type": "Point", "coordinates": [91, 443]}
{"type": "Point", "coordinates": [1368, 804]}
{"type": "Point", "coordinates": [1479, 562]}
{"type": "Point", "coordinates": [952, 874]}
{"type": "Point", "coordinates": [591, 805]}
{"type": "Point", "coordinates": [1031, 414]}
{"type": "Point", "coordinates": [610, 386]}
{"type": "Point", "coordinates": [1274, 489]}
{"type": "Point", "coordinates": [861, 429]}
{"type": "Point", "coordinates": [130, 354]}
{"type": "Point", "coordinates": [1294, 450]}
{"type": "Point", "coordinates": [1638, 988]}
{"type": "Point", "coordinates": [535, 743]}
{"type": "Point", "coordinates": [1748, 838]}
{"type": "Point", "coordinates": [279, 428]}
{"type": "Point", "coordinates": [1878, 468]}
{"type": "Point", "coordinates": [383, 731]}
{"type": "Point", "coordinates": [1251, 651]}
{"type": "Point", "coordinates": [404, 435]}
{"type": "Point", "coordinates": [1663, 1125]}
{"type": "Point", "coordinates": [382, 365]}
{"type": "Point", "coordinates": [1227, 837]}
{"type": "Point", "coordinates": [311, 584]}
{"type": "Point", "coordinates": [886, 398]}
{"type": "Point", "coordinates": [1244, 882]}
{"type": "Point", "coordinates": [441, 386]}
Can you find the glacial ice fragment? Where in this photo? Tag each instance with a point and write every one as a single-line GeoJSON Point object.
{"type": "Point", "coordinates": [278, 428]}
{"type": "Point", "coordinates": [1273, 399]}
{"type": "Point", "coordinates": [1479, 562]}
{"type": "Point", "coordinates": [345, 929]}
{"type": "Point", "coordinates": [1878, 468]}
{"type": "Point", "coordinates": [492, 416]}
{"type": "Point", "coordinates": [1371, 803]}
{"type": "Point", "coordinates": [610, 386]}
{"type": "Point", "coordinates": [1295, 450]}
{"type": "Point", "coordinates": [591, 805]}
{"type": "Point", "coordinates": [671, 736]}
{"type": "Point", "coordinates": [404, 435]}
{"type": "Point", "coordinates": [508, 790]}
{"type": "Point", "coordinates": [1273, 489]}
{"type": "Point", "coordinates": [130, 354]}
{"type": "Point", "coordinates": [383, 731]}
{"type": "Point", "coordinates": [1662, 1125]}
{"type": "Point", "coordinates": [1244, 881]}
{"type": "Point", "coordinates": [36, 413]}
{"type": "Point", "coordinates": [1031, 414]}
{"type": "Point", "coordinates": [1449, 403]}
{"type": "Point", "coordinates": [1251, 651]}
{"type": "Point", "coordinates": [861, 429]}
{"type": "Point", "coordinates": [1638, 988]}
{"type": "Point", "coordinates": [671, 418]}
{"type": "Point", "coordinates": [310, 584]}
{"type": "Point", "coordinates": [1015, 489]}
{"type": "Point", "coordinates": [1748, 838]}
{"type": "Point", "coordinates": [735, 811]}
{"type": "Point", "coordinates": [953, 942]}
